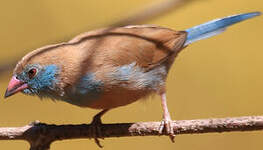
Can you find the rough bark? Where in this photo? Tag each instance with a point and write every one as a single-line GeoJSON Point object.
{"type": "Point", "coordinates": [41, 135]}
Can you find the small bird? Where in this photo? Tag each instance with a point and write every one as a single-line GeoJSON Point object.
{"type": "Point", "coordinates": [111, 67]}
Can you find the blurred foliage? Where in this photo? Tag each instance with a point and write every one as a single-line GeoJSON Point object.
{"type": "Point", "coordinates": [217, 77]}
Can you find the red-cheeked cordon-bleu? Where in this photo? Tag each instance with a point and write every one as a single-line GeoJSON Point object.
{"type": "Point", "coordinates": [110, 67]}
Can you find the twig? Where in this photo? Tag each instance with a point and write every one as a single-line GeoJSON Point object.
{"type": "Point", "coordinates": [152, 11]}
{"type": "Point", "coordinates": [146, 14]}
{"type": "Point", "coordinates": [41, 135]}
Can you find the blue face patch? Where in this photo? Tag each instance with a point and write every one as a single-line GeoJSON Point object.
{"type": "Point", "coordinates": [86, 89]}
{"type": "Point", "coordinates": [43, 81]}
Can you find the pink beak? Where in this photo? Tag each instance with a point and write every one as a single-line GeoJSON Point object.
{"type": "Point", "coordinates": [15, 86]}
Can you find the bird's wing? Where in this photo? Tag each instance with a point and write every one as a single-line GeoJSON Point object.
{"type": "Point", "coordinates": [147, 46]}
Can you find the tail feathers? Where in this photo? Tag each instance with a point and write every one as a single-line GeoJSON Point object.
{"type": "Point", "coordinates": [215, 27]}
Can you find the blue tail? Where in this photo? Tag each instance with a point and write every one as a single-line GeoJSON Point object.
{"type": "Point", "coordinates": [215, 27]}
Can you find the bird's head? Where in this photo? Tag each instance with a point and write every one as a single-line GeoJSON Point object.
{"type": "Point", "coordinates": [35, 74]}
{"type": "Point", "coordinates": [34, 79]}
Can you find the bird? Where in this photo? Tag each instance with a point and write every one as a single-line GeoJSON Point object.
{"type": "Point", "coordinates": [111, 67]}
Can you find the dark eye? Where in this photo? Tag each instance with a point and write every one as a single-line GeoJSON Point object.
{"type": "Point", "coordinates": [31, 73]}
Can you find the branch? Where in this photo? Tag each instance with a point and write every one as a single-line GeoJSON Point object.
{"type": "Point", "coordinates": [41, 135]}
{"type": "Point", "coordinates": [152, 11]}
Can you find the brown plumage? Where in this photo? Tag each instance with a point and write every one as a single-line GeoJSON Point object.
{"type": "Point", "coordinates": [102, 51]}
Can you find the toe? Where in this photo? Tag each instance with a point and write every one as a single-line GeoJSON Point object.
{"type": "Point", "coordinates": [161, 127]}
{"type": "Point", "coordinates": [170, 130]}
{"type": "Point", "coordinates": [97, 141]}
{"type": "Point", "coordinates": [96, 131]}
{"type": "Point", "coordinates": [167, 125]}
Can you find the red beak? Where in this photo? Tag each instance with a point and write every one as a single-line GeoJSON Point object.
{"type": "Point", "coordinates": [15, 86]}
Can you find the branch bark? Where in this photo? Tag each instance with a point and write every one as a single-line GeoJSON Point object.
{"type": "Point", "coordinates": [41, 135]}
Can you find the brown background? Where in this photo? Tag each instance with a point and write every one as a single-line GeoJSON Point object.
{"type": "Point", "coordinates": [217, 77]}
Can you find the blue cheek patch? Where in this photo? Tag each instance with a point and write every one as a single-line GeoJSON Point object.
{"type": "Point", "coordinates": [27, 91]}
{"type": "Point", "coordinates": [44, 80]}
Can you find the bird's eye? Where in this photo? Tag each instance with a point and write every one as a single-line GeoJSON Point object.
{"type": "Point", "coordinates": [31, 73]}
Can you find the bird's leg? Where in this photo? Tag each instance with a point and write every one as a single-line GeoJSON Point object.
{"type": "Point", "coordinates": [96, 126]}
{"type": "Point", "coordinates": [166, 122]}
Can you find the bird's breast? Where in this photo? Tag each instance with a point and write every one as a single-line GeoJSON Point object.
{"type": "Point", "coordinates": [86, 90]}
{"type": "Point", "coordinates": [115, 86]}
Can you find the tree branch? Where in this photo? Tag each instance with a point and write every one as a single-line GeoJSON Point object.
{"type": "Point", "coordinates": [41, 135]}
{"type": "Point", "coordinates": [152, 11]}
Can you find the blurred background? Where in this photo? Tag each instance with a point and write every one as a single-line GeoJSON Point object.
{"type": "Point", "coordinates": [216, 77]}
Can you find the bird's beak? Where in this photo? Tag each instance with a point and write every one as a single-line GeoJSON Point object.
{"type": "Point", "coordinates": [15, 86]}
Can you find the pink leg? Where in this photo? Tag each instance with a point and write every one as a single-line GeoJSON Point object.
{"type": "Point", "coordinates": [96, 126]}
{"type": "Point", "coordinates": [166, 122]}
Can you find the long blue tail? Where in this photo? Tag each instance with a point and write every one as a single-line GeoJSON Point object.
{"type": "Point", "coordinates": [215, 27]}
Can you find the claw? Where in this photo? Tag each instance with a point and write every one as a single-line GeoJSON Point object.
{"type": "Point", "coordinates": [96, 130]}
{"type": "Point", "coordinates": [166, 122]}
{"type": "Point", "coordinates": [97, 141]}
{"type": "Point", "coordinates": [96, 127]}
{"type": "Point", "coordinates": [167, 125]}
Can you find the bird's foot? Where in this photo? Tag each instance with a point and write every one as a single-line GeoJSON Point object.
{"type": "Point", "coordinates": [167, 125]}
{"type": "Point", "coordinates": [96, 129]}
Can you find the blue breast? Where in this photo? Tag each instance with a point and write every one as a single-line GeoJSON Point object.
{"type": "Point", "coordinates": [87, 89]}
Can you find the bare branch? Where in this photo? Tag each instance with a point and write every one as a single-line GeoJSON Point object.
{"type": "Point", "coordinates": [41, 135]}
{"type": "Point", "coordinates": [152, 11]}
